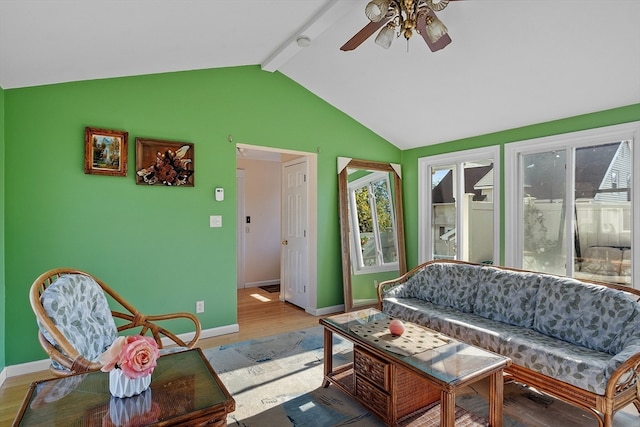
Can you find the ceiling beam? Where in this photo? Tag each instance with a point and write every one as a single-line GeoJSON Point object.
{"type": "Point", "coordinates": [318, 24]}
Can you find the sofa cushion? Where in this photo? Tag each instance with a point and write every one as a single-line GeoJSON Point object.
{"type": "Point", "coordinates": [630, 334]}
{"type": "Point", "coordinates": [580, 366]}
{"type": "Point", "coordinates": [466, 327]}
{"type": "Point", "coordinates": [449, 285]}
{"type": "Point", "coordinates": [582, 313]}
{"type": "Point", "coordinates": [573, 364]}
{"type": "Point", "coordinates": [507, 296]}
{"type": "Point", "coordinates": [411, 287]}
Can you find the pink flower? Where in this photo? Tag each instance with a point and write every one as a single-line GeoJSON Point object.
{"type": "Point", "coordinates": [109, 359]}
{"type": "Point", "coordinates": [136, 355]}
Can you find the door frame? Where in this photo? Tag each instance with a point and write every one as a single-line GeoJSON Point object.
{"type": "Point", "coordinates": [312, 214]}
{"type": "Point", "coordinates": [240, 228]}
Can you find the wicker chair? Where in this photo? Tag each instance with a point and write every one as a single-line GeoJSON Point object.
{"type": "Point", "coordinates": [76, 323]}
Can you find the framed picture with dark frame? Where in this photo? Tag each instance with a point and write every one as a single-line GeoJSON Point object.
{"type": "Point", "coordinates": [168, 163]}
{"type": "Point", "coordinates": [105, 151]}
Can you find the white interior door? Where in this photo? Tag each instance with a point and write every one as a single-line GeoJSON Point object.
{"type": "Point", "coordinates": [294, 275]}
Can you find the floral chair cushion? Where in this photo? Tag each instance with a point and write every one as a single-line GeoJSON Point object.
{"type": "Point", "coordinates": [79, 308]}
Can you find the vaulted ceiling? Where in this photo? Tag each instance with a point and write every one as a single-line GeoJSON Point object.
{"type": "Point", "coordinates": [511, 63]}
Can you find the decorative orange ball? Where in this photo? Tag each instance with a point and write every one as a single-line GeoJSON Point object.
{"type": "Point", "coordinates": [396, 327]}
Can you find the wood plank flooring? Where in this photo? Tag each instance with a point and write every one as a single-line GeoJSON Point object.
{"type": "Point", "coordinates": [259, 314]}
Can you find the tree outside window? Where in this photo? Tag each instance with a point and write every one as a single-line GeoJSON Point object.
{"type": "Point", "coordinates": [374, 233]}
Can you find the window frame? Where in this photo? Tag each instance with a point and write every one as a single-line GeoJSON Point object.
{"type": "Point", "coordinates": [458, 158]}
{"type": "Point", "coordinates": [357, 262]}
{"type": "Point", "coordinates": [568, 142]}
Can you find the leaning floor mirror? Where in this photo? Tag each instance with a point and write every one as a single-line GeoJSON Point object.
{"type": "Point", "coordinates": [371, 228]}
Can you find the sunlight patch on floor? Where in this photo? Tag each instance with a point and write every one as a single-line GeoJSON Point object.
{"type": "Point", "coordinates": [260, 297]}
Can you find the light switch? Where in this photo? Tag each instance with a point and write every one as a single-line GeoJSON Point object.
{"type": "Point", "coordinates": [215, 221]}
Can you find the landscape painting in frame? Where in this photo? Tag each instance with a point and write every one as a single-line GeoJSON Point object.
{"type": "Point", "coordinates": [168, 163]}
{"type": "Point", "coordinates": [105, 152]}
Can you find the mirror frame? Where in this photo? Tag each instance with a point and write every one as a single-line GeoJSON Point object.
{"type": "Point", "coordinates": [343, 202]}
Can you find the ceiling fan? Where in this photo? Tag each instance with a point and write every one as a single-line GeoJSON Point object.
{"type": "Point", "coordinates": [405, 17]}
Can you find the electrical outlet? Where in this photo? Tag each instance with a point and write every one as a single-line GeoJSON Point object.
{"type": "Point", "coordinates": [199, 306]}
{"type": "Point", "coordinates": [375, 284]}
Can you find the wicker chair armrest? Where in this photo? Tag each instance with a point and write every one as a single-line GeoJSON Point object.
{"type": "Point", "coordinates": [75, 363]}
{"type": "Point", "coordinates": [147, 323]}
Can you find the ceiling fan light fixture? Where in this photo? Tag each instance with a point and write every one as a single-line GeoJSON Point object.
{"type": "Point", "coordinates": [376, 9]}
{"type": "Point", "coordinates": [385, 36]}
{"type": "Point", "coordinates": [437, 5]}
{"type": "Point", "coordinates": [435, 28]}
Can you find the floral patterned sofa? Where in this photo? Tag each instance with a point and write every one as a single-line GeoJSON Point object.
{"type": "Point", "coordinates": [576, 340]}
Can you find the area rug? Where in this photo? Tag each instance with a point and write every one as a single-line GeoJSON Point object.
{"type": "Point", "coordinates": [272, 289]}
{"type": "Point", "coordinates": [277, 381]}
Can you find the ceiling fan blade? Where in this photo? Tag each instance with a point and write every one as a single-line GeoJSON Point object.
{"type": "Point", "coordinates": [441, 43]}
{"type": "Point", "coordinates": [364, 34]}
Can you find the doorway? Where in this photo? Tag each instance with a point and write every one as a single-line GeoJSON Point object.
{"type": "Point", "coordinates": [264, 223]}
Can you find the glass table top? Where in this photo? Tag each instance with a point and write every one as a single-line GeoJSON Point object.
{"type": "Point", "coordinates": [182, 383]}
{"type": "Point", "coordinates": [432, 353]}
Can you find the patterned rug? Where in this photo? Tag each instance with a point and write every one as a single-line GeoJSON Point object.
{"type": "Point", "coordinates": [277, 382]}
{"type": "Point", "coordinates": [272, 289]}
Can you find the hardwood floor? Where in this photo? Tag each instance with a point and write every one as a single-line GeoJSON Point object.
{"type": "Point", "coordinates": [259, 314]}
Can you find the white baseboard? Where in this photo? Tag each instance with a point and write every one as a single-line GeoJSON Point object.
{"type": "Point", "coordinates": [325, 310]}
{"type": "Point", "coordinates": [43, 365]}
{"type": "Point", "coordinates": [3, 376]}
{"type": "Point", "coordinates": [27, 368]}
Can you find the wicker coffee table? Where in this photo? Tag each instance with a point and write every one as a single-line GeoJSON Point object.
{"type": "Point", "coordinates": [397, 377]}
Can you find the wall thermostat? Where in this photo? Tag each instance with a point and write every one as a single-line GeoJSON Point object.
{"type": "Point", "coordinates": [219, 194]}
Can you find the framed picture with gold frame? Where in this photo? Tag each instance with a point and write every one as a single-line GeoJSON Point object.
{"type": "Point", "coordinates": [168, 163]}
{"type": "Point", "coordinates": [105, 151]}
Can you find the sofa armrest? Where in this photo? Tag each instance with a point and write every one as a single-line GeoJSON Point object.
{"type": "Point", "coordinates": [390, 288]}
{"type": "Point", "coordinates": [625, 369]}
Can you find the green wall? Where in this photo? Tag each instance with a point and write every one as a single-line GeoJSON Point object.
{"type": "Point", "coordinates": [410, 158]}
{"type": "Point", "coordinates": [2, 274]}
{"type": "Point", "coordinates": [154, 244]}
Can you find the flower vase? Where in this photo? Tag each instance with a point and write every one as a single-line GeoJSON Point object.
{"type": "Point", "coordinates": [122, 386]}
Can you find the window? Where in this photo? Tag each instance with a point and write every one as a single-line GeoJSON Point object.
{"type": "Point", "coordinates": [568, 211]}
{"type": "Point", "coordinates": [373, 229]}
{"type": "Point", "coordinates": [459, 206]}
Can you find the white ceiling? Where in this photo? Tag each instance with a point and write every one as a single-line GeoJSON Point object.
{"type": "Point", "coordinates": [511, 63]}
